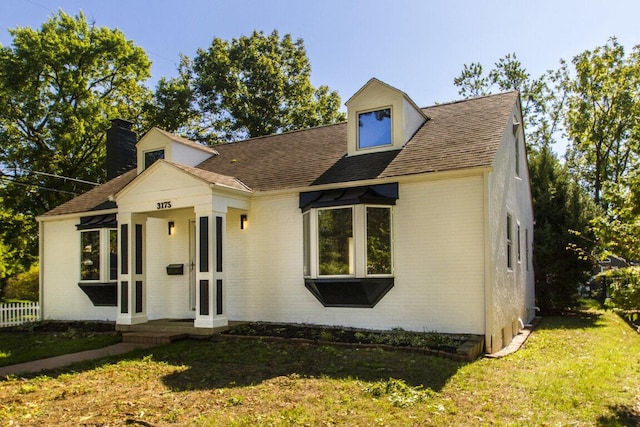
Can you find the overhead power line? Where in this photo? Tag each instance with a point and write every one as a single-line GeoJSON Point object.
{"type": "Point", "coordinates": [40, 187]}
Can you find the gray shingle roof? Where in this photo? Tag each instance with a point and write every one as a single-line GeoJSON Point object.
{"type": "Point", "coordinates": [459, 135]}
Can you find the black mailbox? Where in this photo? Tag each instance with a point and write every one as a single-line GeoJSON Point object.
{"type": "Point", "coordinates": [175, 269]}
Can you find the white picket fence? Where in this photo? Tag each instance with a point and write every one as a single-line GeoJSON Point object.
{"type": "Point", "coordinates": [17, 313]}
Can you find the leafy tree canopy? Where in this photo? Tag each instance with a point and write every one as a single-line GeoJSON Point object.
{"type": "Point", "coordinates": [259, 85]}
{"type": "Point", "coordinates": [563, 241]}
{"type": "Point", "coordinates": [603, 116]}
{"type": "Point", "coordinates": [59, 86]}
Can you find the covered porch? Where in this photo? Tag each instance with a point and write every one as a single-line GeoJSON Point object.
{"type": "Point", "coordinates": [171, 251]}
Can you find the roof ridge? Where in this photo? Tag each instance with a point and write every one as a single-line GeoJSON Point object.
{"type": "Point", "coordinates": [476, 98]}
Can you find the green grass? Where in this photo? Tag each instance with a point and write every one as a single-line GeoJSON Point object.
{"type": "Point", "coordinates": [577, 370]}
{"type": "Point", "coordinates": [19, 347]}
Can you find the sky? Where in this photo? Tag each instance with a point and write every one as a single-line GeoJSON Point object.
{"type": "Point", "coordinates": [417, 46]}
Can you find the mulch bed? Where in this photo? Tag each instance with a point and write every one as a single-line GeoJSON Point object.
{"type": "Point", "coordinates": [55, 326]}
{"type": "Point", "coordinates": [453, 346]}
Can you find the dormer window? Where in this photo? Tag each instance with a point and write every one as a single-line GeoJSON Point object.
{"type": "Point", "coordinates": [374, 128]}
{"type": "Point", "coordinates": [151, 156]}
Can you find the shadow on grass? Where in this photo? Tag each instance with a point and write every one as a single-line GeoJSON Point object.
{"type": "Point", "coordinates": [230, 363]}
{"type": "Point", "coordinates": [622, 416]}
{"type": "Point", "coordinates": [224, 362]}
{"type": "Point", "coordinates": [572, 320]}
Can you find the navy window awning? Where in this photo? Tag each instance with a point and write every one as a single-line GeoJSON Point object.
{"type": "Point", "coordinates": [97, 221]}
{"type": "Point", "coordinates": [383, 194]}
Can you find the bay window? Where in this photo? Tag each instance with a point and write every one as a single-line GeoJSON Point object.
{"type": "Point", "coordinates": [99, 255]}
{"type": "Point", "coordinates": [347, 243]}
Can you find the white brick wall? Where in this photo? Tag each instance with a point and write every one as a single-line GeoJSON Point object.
{"type": "Point", "coordinates": [439, 263]}
{"type": "Point", "coordinates": [62, 299]}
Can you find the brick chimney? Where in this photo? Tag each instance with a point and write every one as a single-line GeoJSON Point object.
{"type": "Point", "coordinates": [121, 148]}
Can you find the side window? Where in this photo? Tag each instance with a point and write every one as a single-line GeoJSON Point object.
{"type": "Point", "coordinates": [335, 242]}
{"type": "Point", "coordinates": [509, 243]}
{"type": "Point", "coordinates": [517, 155]}
{"type": "Point", "coordinates": [306, 243]}
{"type": "Point", "coordinates": [99, 255]}
{"type": "Point", "coordinates": [378, 240]}
{"type": "Point", "coordinates": [90, 259]}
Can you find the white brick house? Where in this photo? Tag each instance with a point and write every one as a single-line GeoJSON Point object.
{"type": "Point", "coordinates": [418, 218]}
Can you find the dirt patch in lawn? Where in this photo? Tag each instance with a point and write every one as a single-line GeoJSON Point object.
{"type": "Point", "coordinates": [451, 346]}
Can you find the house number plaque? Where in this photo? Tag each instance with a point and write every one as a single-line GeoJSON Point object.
{"type": "Point", "coordinates": [163, 205]}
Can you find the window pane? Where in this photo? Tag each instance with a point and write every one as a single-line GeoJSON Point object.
{"type": "Point", "coordinates": [335, 241]}
{"type": "Point", "coordinates": [374, 128]}
{"type": "Point", "coordinates": [151, 156]}
{"type": "Point", "coordinates": [378, 240]}
{"type": "Point", "coordinates": [90, 259]}
{"type": "Point", "coordinates": [509, 242]}
{"type": "Point", "coordinates": [113, 254]}
{"type": "Point", "coordinates": [306, 241]}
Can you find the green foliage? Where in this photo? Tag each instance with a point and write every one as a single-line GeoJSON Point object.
{"type": "Point", "coordinates": [623, 288]}
{"type": "Point", "coordinates": [24, 286]}
{"type": "Point", "coordinates": [603, 115]}
{"type": "Point", "coordinates": [563, 242]}
{"type": "Point", "coordinates": [59, 86]}
{"type": "Point", "coordinates": [260, 85]}
{"type": "Point", "coordinates": [398, 392]}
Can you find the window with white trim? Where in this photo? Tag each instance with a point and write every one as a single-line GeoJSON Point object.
{"type": "Point", "coordinates": [517, 156]}
{"type": "Point", "coordinates": [350, 241]}
{"type": "Point", "coordinates": [99, 255]}
{"type": "Point", "coordinates": [509, 242]}
{"type": "Point", "coordinates": [519, 244]}
{"type": "Point", "coordinates": [374, 128]}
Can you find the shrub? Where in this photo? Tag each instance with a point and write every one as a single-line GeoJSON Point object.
{"type": "Point", "coordinates": [622, 287]}
{"type": "Point", "coordinates": [25, 285]}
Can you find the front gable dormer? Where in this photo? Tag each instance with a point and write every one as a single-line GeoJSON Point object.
{"type": "Point", "coordinates": [380, 118]}
{"type": "Point", "coordinates": [158, 144]}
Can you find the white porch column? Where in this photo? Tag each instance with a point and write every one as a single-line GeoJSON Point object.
{"type": "Point", "coordinates": [131, 269]}
{"type": "Point", "coordinates": [210, 310]}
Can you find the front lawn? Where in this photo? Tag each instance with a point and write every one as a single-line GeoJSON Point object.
{"type": "Point", "coordinates": [576, 370]}
{"type": "Point", "coordinates": [47, 339]}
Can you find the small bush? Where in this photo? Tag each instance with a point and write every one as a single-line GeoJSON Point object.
{"type": "Point", "coordinates": [399, 393]}
{"type": "Point", "coordinates": [623, 288]}
{"type": "Point", "coordinates": [24, 286]}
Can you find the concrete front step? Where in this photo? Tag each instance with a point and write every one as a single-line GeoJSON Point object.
{"type": "Point", "coordinates": [151, 337]}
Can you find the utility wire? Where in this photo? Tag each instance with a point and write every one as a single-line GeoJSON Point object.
{"type": "Point", "coordinates": [52, 175]}
{"type": "Point", "coordinates": [6, 178]}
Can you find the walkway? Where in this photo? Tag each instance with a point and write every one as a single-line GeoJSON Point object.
{"type": "Point", "coordinates": [68, 359]}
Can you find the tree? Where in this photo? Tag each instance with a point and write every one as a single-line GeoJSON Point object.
{"type": "Point", "coordinates": [59, 86]}
{"type": "Point", "coordinates": [563, 242]}
{"type": "Point", "coordinates": [173, 107]}
{"type": "Point", "coordinates": [542, 98]}
{"type": "Point", "coordinates": [603, 117]}
{"type": "Point", "coordinates": [260, 85]}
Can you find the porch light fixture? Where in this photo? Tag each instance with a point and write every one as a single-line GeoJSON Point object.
{"type": "Point", "coordinates": [243, 221]}
{"type": "Point", "coordinates": [172, 228]}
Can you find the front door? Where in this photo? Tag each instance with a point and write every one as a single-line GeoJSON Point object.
{"type": "Point", "coordinates": [192, 265]}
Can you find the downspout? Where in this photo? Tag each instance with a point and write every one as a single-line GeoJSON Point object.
{"type": "Point", "coordinates": [488, 270]}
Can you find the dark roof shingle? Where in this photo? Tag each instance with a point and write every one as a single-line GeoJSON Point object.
{"type": "Point", "coordinates": [458, 135]}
